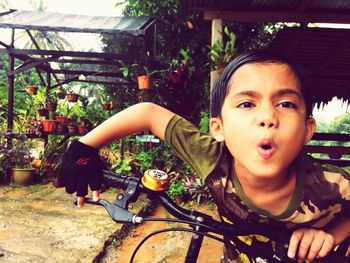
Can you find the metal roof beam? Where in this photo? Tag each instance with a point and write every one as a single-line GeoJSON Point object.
{"type": "Point", "coordinates": [87, 73]}
{"type": "Point", "coordinates": [16, 51]}
{"type": "Point", "coordinates": [31, 64]}
{"type": "Point", "coordinates": [87, 61]}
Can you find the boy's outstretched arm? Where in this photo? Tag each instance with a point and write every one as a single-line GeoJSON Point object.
{"type": "Point", "coordinates": [137, 118]}
{"type": "Point", "coordinates": [81, 165]}
{"type": "Point", "coordinates": [306, 244]}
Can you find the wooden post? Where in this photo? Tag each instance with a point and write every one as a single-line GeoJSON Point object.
{"type": "Point", "coordinates": [216, 33]}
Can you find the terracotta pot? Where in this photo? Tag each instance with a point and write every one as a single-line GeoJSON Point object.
{"type": "Point", "coordinates": [62, 119]}
{"type": "Point", "coordinates": [143, 82]}
{"type": "Point", "coordinates": [32, 90]}
{"type": "Point", "coordinates": [72, 97]}
{"type": "Point", "coordinates": [23, 176]}
{"type": "Point", "coordinates": [36, 163]}
{"type": "Point", "coordinates": [49, 125]}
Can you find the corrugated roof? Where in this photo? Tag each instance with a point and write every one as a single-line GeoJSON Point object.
{"type": "Point", "coordinates": [323, 53]}
{"type": "Point", "coordinates": [328, 11]}
{"type": "Point", "coordinates": [49, 21]}
{"type": "Point", "coordinates": [341, 6]}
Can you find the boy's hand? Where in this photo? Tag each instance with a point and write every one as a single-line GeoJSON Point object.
{"type": "Point", "coordinates": [81, 166]}
{"type": "Point", "coordinates": [306, 244]}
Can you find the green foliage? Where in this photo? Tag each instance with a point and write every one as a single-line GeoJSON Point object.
{"type": "Point", "coordinates": [121, 166]}
{"type": "Point", "coordinates": [52, 153]}
{"type": "Point", "coordinates": [204, 122]}
{"type": "Point", "coordinates": [19, 155]}
{"type": "Point", "coordinates": [221, 53]}
{"type": "Point", "coordinates": [197, 189]}
{"type": "Point", "coordinates": [341, 124]}
{"type": "Point", "coordinates": [145, 159]}
{"type": "Point", "coordinates": [176, 189]}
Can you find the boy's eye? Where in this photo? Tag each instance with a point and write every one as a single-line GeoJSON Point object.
{"type": "Point", "coordinates": [288, 104]}
{"type": "Point", "coordinates": [246, 105]}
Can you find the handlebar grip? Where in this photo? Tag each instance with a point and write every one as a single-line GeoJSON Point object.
{"type": "Point", "coordinates": [115, 180]}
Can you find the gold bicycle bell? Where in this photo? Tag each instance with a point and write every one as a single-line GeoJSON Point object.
{"type": "Point", "coordinates": [156, 180]}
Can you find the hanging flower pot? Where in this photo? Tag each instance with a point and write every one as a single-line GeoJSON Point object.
{"type": "Point", "coordinates": [72, 97]}
{"type": "Point", "coordinates": [49, 126]}
{"type": "Point", "coordinates": [143, 81]}
{"type": "Point", "coordinates": [61, 94]}
{"type": "Point", "coordinates": [32, 90]}
{"type": "Point", "coordinates": [51, 106]}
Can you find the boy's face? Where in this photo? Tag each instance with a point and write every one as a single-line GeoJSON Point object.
{"type": "Point", "coordinates": [263, 119]}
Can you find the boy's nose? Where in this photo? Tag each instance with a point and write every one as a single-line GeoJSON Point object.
{"type": "Point", "coordinates": [268, 119]}
{"type": "Point", "coordinates": [267, 124]}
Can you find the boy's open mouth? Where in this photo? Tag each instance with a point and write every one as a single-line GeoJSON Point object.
{"type": "Point", "coordinates": [266, 149]}
{"type": "Point", "coordinates": [266, 146]}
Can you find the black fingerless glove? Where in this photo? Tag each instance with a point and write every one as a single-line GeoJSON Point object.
{"type": "Point", "coordinates": [81, 166]}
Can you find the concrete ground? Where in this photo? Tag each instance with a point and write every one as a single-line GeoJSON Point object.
{"type": "Point", "coordinates": [39, 223]}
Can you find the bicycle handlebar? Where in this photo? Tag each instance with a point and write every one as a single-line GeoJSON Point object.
{"type": "Point", "coordinates": [134, 186]}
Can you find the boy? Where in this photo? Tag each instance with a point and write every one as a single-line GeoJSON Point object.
{"type": "Point", "coordinates": [251, 162]}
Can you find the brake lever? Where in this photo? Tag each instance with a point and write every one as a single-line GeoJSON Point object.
{"type": "Point", "coordinates": [117, 213]}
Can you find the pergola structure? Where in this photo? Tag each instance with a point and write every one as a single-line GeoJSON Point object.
{"type": "Point", "coordinates": [96, 67]}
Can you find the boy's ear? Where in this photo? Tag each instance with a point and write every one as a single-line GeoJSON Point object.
{"type": "Point", "coordinates": [216, 129]}
{"type": "Point", "coordinates": [310, 129]}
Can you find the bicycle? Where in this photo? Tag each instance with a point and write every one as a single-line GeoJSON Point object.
{"type": "Point", "coordinates": [156, 182]}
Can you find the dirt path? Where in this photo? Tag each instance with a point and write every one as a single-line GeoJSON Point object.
{"type": "Point", "coordinates": [167, 247]}
{"type": "Point", "coordinates": [39, 223]}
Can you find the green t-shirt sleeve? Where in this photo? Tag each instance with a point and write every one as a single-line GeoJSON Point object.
{"type": "Point", "coordinates": [200, 150]}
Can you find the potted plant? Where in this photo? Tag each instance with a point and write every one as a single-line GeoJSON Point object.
{"type": "Point", "coordinates": [221, 53]}
{"type": "Point", "coordinates": [72, 97]}
{"type": "Point", "coordinates": [144, 77]}
{"type": "Point", "coordinates": [49, 125]}
{"type": "Point", "coordinates": [51, 158]}
{"type": "Point", "coordinates": [17, 157]}
{"type": "Point", "coordinates": [127, 70]}
{"type": "Point", "coordinates": [32, 90]}
{"type": "Point", "coordinates": [61, 93]}
{"type": "Point", "coordinates": [51, 101]}
{"type": "Point", "coordinates": [39, 103]}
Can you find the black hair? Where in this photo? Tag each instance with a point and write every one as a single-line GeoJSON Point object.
{"type": "Point", "coordinates": [221, 85]}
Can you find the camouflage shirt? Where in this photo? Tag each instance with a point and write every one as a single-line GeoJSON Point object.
{"type": "Point", "coordinates": [321, 195]}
